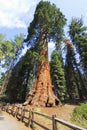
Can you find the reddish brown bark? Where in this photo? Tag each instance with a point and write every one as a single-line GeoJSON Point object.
{"type": "Point", "coordinates": [42, 93]}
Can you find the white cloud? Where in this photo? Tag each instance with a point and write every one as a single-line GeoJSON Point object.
{"type": "Point", "coordinates": [18, 13]}
{"type": "Point", "coordinates": [15, 13]}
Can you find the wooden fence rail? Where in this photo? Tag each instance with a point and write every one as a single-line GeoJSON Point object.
{"type": "Point", "coordinates": [23, 114]}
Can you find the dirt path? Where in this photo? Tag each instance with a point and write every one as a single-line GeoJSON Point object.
{"type": "Point", "coordinates": [7, 122]}
{"type": "Point", "coordinates": [10, 123]}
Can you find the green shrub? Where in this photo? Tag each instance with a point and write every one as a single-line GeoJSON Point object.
{"type": "Point", "coordinates": [79, 115]}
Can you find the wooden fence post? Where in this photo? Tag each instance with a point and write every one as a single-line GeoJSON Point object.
{"type": "Point", "coordinates": [54, 124]}
{"type": "Point", "coordinates": [32, 116]}
{"type": "Point", "coordinates": [22, 113]}
{"type": "Point", "coordinates": [7, 107]}
{"type": "Point", "coordinates": [12, 109]}
{"type": "Point", "coordinates": [29, 120]}
{"type": "Point", "coordinates": [17, 110]}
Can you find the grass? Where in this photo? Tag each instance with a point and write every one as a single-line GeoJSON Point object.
{"type": "Point", "coordinates": [79, 116]}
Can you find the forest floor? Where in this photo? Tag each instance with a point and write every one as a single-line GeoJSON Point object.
{"type": "Point", "coordinates": [62, 112]}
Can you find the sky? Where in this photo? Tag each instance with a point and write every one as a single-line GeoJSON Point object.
{"type": "Point", "coordinates": [16, 15]}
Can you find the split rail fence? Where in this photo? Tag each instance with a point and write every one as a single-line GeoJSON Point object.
{"type": "Point", "coordinates": [28, 117]}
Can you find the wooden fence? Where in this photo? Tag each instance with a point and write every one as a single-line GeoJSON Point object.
{"type": "Point", "coordinates": [28, 117]}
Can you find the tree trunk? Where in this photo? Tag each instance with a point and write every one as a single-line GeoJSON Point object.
{"type": "Point", "coordinates": [5, 82]}
{"type": "Point", "coordinates": [42, 93]}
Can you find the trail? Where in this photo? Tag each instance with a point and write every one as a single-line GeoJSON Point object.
{"type": "Point", "coordinates": [7, 122]}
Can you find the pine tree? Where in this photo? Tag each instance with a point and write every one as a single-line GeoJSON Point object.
{"type": "Point", "coordinates": [57, 74]}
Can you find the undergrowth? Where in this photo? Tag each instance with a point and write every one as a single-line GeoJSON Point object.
{"type": "Point", "coordinates": [79, 115]}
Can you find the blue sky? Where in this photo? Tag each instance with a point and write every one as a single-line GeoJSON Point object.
{"type": "Point", "coordinates": [15, 15]}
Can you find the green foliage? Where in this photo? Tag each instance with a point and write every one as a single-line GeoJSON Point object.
{"type": "Point", "coordinates": [21, 79]}
{"type": "Point", "coordinates": [47, 20]}
{"type": "Point", "coordinates": [5, 47]}
{"type": "Point", "coordinates": [17, 44]}
{"type": "Point", "coordinates": [76, 27]}
{"type": "Point", "coordinates": [79, 115]}
{"type": "Point", "coordinates": [57, 74]}
{"type": "Point", "coordinates": [47, 25]}
{"type": "Point", "coordinates": [9, 50]}
{"type": "Point", "coordinates": [74, 79]}
{"type": "Point", "coordinates": [78, 34]}
{"type": "Point", "coordinates": [70, 73]}
{"type": "Point", "coordinates": [1, 45]}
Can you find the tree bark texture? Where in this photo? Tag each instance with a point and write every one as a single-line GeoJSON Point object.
{"type": "Point", "coordinates": [42, 93]}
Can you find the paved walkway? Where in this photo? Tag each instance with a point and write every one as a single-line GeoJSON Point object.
{"type": "Point", "coordinates": [7, 122]}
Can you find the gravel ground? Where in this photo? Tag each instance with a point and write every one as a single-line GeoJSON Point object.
{"type": "Point", "coordinates": [7, 122]}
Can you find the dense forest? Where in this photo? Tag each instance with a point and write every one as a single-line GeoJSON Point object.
{"type": "Point", "coordinates": [35, 79]}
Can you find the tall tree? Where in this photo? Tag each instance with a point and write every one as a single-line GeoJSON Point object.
{"type": "Point", "coordinates": [70, 72]}
{"type": "Point", "coordinates": [74, 83]}
{"type": "Point", "coordinates": [47, 25]}
{"type": "Point", "coordinates": [5, 49]}
{"type": "Point", "coordinates": [21, 77]}
{"type": "Point", "coordinates": [57, 74]}
{"type": "Point", "coordinates": [11, 57]}
{"type": "Point", "coordinates": [6, 52]}
{"type": "Point", "coordinates": [78, 34]}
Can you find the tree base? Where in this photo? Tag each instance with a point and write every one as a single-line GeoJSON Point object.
{"type": "Point", "coordinates": [42, 94]}
{"type": "Point", "coordinates": [42, 97]}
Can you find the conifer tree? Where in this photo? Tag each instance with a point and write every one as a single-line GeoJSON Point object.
{"type": "Point", "coordinates": [70, 74]}
{"type": "Point", "coordinates": [75, 86]}
{"type": "Point", "coordinates": [47, 25]}
{"type": "Point", "coordinates": [57, 74]}
{"type": "Point", "coordinates": [19, 82]}
{"type": "Point", "coordinates": [78, 34]}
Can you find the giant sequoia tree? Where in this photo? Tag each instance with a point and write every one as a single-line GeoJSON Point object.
{"type": "Point", "coordinates": [47, 25]}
